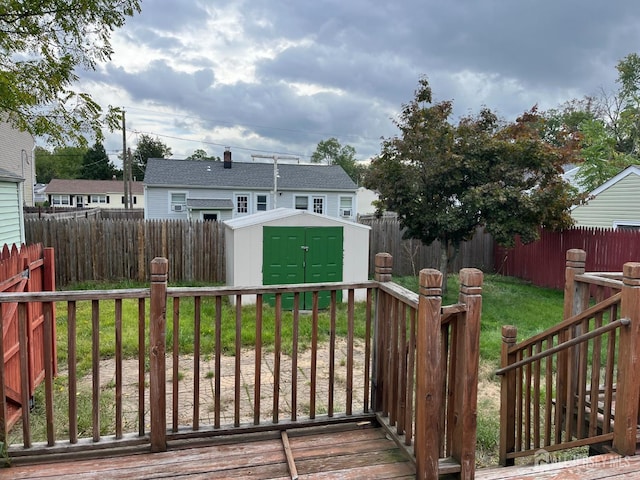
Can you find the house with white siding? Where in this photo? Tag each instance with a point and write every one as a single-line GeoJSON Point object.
{"type": "Point", "coordinates": [213, 190]}
{"type": "Point", "coordinates": [61, 192]}
{"type": "Point", "coordinates": [614, 204]}
{"type": "Point", "coordinates": [17, 177]}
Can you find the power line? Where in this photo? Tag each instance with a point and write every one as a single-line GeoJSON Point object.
{"type": "Point", "coordinates": [224, 145]}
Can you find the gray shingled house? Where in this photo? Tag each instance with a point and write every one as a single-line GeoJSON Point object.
{"type": "Point", "coordinates": [210, 190]}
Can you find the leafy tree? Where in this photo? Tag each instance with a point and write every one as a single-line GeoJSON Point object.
{"type": "Point", "coordinates": [629, 80]}
{"type": "Point", "coordinates": [62, 162]}
{"type": "Point", "coordinates": [332, 152]}
{"type": "Point", "coordinates": [147, 148]}
{"type": "Point", "coordinates": [96, 164]}
{"type": "Point", "coordinates": [200, 154]}
{"type": "Point", "coordinates": [445, 180]}
{"type": "Point", "coordinates": [601, 160]}
{"type": "Point", "coordinates": [43, 43]}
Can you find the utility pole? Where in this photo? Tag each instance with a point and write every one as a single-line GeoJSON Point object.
{"type": "Point", "coordinates": [276, 175]}
{"type": "Point", "coordinates": [124, 163]}
{"type": "Point", "coordinates": [130, 162]}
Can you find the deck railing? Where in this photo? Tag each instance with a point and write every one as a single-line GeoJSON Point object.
{"type": "Point", "coordinates": [575, 384]}
{"type": "Point", "coordinates": [426, 368]}
{"type": "Point", "coordinates": [401, 358]}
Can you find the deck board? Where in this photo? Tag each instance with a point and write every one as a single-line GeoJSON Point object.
{"type": "Point", "coordinates": [318, 454]}
{"type": "Point", "coordinates": [606, 466]}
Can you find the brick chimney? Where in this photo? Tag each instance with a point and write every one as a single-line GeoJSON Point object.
{"type": "Point", "coordinates": [227, 158]}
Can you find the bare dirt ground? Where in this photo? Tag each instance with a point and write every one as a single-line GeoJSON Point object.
{"type": "Point", "coordinates": [187, 387]}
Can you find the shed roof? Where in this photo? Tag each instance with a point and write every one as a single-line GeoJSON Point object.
{"type": "Point", "coordinates": [279, 213]}
{"type": "Point", "coordinates": [7, 176]}
{"type": "Point", "coordinates": [257, 176]}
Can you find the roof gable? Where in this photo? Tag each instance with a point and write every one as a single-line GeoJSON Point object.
{"type": "Point", "coordinates": [210, 174]}
{"type": "Point", "coordinates": [632, 170]}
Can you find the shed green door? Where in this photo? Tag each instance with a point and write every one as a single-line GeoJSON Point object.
{"type": "Point", "coordinates": [302, 255]}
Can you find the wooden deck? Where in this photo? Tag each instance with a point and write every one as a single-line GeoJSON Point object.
{"type": "Point", "coordinates": [606, 466]}
{"type": "Point", "coordinates": [341, 451]}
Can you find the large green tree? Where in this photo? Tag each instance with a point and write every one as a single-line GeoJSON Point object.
{"type": "Point", "coordinates": [147, 147]}
{"type": "Point", "coordinates": [61, 162]}
{"type": "Point", "coordinates": [96, 164]}
{"type": "Point", "coordinates": [43, 45]}
{"type": "Point", "coordinates": [445, 180]}
{"type": "Point", "coordinates": [332, 152]}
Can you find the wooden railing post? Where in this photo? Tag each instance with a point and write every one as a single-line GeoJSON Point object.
{"type": "Point", "coordinates": [507, 397]}
{"type": "Point", "coordinates": [49, 284]}
{"type": "Point", "coordinates": [574, 293]}
{"type": "Point", "coordinates": [428, 375]}
{"type": "Point", "coordinates": [576, 300]}
{"type": "Point", "coordinates": [628, 388]}
{"type": "Point", "coordinates": [463, 439]}
{"type": "Point", "coordinates": [383, 273]}
{"type": "Point", "coordinates": [157, 347]}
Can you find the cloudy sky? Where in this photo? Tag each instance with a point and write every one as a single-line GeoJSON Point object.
{"type": "Point", "coordinates": [278, 76]}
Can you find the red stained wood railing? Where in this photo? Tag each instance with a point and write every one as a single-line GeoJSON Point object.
{"type": "Point", "coordinates": [586, 363]}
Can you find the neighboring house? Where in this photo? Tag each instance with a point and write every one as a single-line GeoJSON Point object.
{"type": "Point", "coordinates": [11, 218]}
{"type": "Point", "coordinates": [208, 190]}
{"type": "Point", "coordinates": [16, 158]}
{"type": "Point", "coordinates": [614, 204]}
{"type": "Point", "coordinates": [92, 193]}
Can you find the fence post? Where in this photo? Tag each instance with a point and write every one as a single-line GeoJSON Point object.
{"type": "Point", "coordinates": [157, 346]}
{"type": "Point", "coordinates": [507, 397]}
{"type": "Point", "coordinates": [463, 439]}
{"type": "Point", "coordinates": [383, 270]}
{"type": "Point", "coordinates": [428, 374]}
{"type": "Point", "coordinates": [626, 420]}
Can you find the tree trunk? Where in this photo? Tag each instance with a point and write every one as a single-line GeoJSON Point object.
{"type": "Point", "coordinates": [444, 264]}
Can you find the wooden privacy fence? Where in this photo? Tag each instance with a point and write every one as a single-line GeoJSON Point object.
{"type": "Point", "coordinates": [576, 383]}
{"type": "Point", "coordinates": [410, 255]}
{"type": "Point", "coordinates": [115, 248]}
{"type": "Point", "coordinates": [90, 250]}
{"type": "Point", "coordinates": [363, 371]}
{"type": "Point", "coordinates": [28, 269]}
{"type": "Point", "coordinates": [542, 262]}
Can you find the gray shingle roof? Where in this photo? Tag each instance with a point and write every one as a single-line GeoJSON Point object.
{"type": "Point", "coordinates": [199, 173]}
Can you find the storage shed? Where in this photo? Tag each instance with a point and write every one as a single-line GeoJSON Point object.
{"type": "Point", "coordinates": [284, 246]}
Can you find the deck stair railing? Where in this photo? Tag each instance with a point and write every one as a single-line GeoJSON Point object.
{"type": "Point", "coordinates": [408, 362]}
{"type": "Point", "coordinates": [426, 369]}
{"type": "Point", "coordinates": [575, 384]}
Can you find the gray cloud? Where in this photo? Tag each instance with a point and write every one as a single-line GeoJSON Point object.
{"type": "Point", "coordinates": [247, 64]}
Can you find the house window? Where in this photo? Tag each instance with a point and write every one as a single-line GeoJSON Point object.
{"type": "Point", "coordinates": [346, 206]}
{"type": "Point", "coordinates": [98, 199]}
{"type": "Point", "coordinates": [135, 200]}
{"type": "Point", "coordinates": [178, 201]}
{"type": "Point", "coordinates": [318, 205]}
{"type": "Point", "coordinates": [261, 203]}
{"type": "Point", "coordinates": [302, 203]}
{"type": "Point", "coordinates": [60, 200]}
{"type": "Point", "coordinates": [242, 203]}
